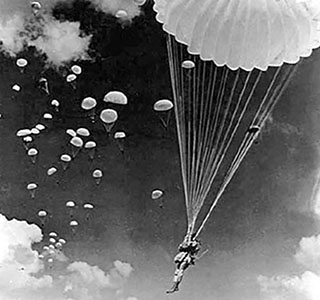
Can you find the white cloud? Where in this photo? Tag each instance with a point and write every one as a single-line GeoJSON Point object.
{"type": "Point", "coordinates": [24, 276]}
{"type": "Point", "coordinates": [301, 287]}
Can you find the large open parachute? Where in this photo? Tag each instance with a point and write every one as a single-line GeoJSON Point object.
{"type": "Point", "coordinates": [230, 61]}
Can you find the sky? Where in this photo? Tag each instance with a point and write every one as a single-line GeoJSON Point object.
{"type": "Point", "coordinates": [263, 238]}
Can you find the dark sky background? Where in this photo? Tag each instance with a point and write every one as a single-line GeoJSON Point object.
{"type": "Point", "coordinates": [256, 228]}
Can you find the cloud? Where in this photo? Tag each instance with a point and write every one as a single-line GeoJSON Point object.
{"type": "Point", "coordinates": [300, 287]}
{"type": "Point", "coordinates": [24, 276]}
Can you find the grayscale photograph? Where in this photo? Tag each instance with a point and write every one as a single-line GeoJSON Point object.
{"type": "Point", "coordinates": [160, 150]}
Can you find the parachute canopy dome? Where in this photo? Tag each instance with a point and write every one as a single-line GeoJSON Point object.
{"type": "Point", "coordinates": [76, 69]}
{"type": "Point", "coordinates": [32, 186]}
{"type": "Point", "coordinates": [42, 213]}
{"type": "Point", "coordinates": [16, 88]}
{"type": "Point", "coordinates": [116, 98]}
{"type": "Point", "coordinates": [97, 173]}
{"type": "Point", "coordinates": [27, 139]}
{"type": "Point", "coordinates": [88, 206]}
{"type": "Point", "coordinates": [40, 127]}
{"type": "Point", "coordinates": [188, 64]}
{"type": "Point", "coordinates": [76, 141]}
{"type": "Point", "coordinates": [83, 132]}
{"type": "Point", "coordinates": [121, 14]}
{"type": "Point", "coordinates": [119, 135]}
{"type": "Point", "coordinates": [55, 102]}
{"type": "Point", "coordinates": [108, 116]}
{"type": "Point", "coordinates": [243, 34]}
{"type": "Point", "coordinates": [156, 194]}
{"type": "Point", "coordinates": [163, 105]}
{"type": "Point", "coordinates": [71, 77]}
{"type": "Point", "coordinates": [53, 234]}
{"type": "Point", "coordinates": [23, 132]}
{"type": "Point", "coordinates": [51, 171]}
{"type": "Point", "coordinates": [73, 223]}
{"type": "Point", "coordinates": [70, 204]}
{"type": "Point", "coordinates": [32, 151]}
{"type": "Point", "coordinates": [90, 144]}
{"type": "Point", "coordinates": [21, 62]}
{"type": "Point", "coordinates": [71, 132]}
{"type": "Point", "coordinates": [88, 103]}
{"type": "Point", "coordinates": [47, 116]}
{"type": "Point", "coordinates": [65, 157]}
{"type": "Point", "coordinates": [35, 131]}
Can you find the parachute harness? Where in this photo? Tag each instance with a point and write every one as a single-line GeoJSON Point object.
{"type": "Point", "coordinates": [214, 108]}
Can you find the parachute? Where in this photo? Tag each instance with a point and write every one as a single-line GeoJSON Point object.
{"type": "Point", "coordinates": [108, 117]}
{"type": "Point", "coordinates": [32, 153]}
{"type": "Point", "coordinates": [230, 61]}
{"type": "Point", "coordinates": [65, 159]}
{"type": "Point", "coordinates": [31, 187]}
{"type": "Point", "coordinates": [97, 175]}
{"type": "Point", "coordinates": [116, 98]}
{"type": "Point", "coordinates": [119, 137]}
{"type": "Point", "coordinates": [89, 104]}
{"type": "Point", "coordinates": [90, 146]}
{"type": "Point", "coordinates": [55, 103]}
{"type": "Point", "coordinates": [163, 108]}
{"type": "Point", "coordinates": [77, 70]}
{"type": "Point", "coordinates": [76, 144]}
{"type": "Point", "coordinates": [83, 132]}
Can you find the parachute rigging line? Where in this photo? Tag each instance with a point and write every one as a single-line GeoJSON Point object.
{"type": "Point", "coordinates": [214, 109]}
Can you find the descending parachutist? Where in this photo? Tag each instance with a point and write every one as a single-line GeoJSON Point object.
{"type": "Point", "coordinates": [187, 256]}
{"type": "Point", "coordinates": [43, 85]}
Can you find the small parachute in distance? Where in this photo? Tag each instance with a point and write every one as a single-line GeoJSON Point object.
{"type": "Point", "coordinates": [77, 70]}
{"type": "Point", "coordinates": [108, 117]}
{"type": "Point", "coordinates": [71, 132]}
{"type": "Point", "coordinates": [56, 104]}
{"type": "Point", "coordinates": [16, 87]}
{"type": "Point", "coordinates": [52, 240]}
{"type": "Point", "coordinates": [62, 241]}
{"type": "Point", "coordinates": [35, 131]}
{"type": "Point", "coordinates": [23, 132]}
{"type": "Point", "coordinates": [42, 215]}
{"type": "Point", "coordinates": [140, 2]}
{"type": "Point", "coordinates": [73, 224]}
{"type": "Point", "coordinates": [163, 108]}
{"type": "Point", "coordinates": [90, 147]}
{"type": "Point", "coordinates": [40, 127]}
{"type": "Point", "coordinates": [76, 144]}
{"type": "Point", "coordinates": [163, 105]}
{"type": "Point", "coordinates": [188, 64]}
{"type": "Point", "coordinates": [51, 171]}
{"type": "Point", "coordinates": [83, 132]}
{"type": "Point", "coordinates": [32, 153]}
{"type": "Point", "coordinates": [65, 159]}
{"type": "Point", "coordinates": [27, 140]}
{"type": "Point", "coordinates": [47, 116]}
{"type": "Point", "coordinates": [71, 206]}
{"type": "Point", "coordinates": [45, 248]}
{"type": "Point", "coordinates": [119, 137]}
{"type": "Point", "coordinates": [88, 103]}
{"type": "Point", "coordinates": [71, 77]}
{"type": "Point", "coordinates": [88, 207]}
{"type": "Point", "coordinates": [121, 14]}
{"type": "Point", "coordinates": [21, 63]}
{"type": "Point", "coordinates": [35, 6]}
{"type": "Point", "coordinates": [116, 97]}
{"type": "Point", "coordinates": [97, 175]}
{"type": "Point", "coordinates": [157, 196]}
{"type": "Point", "coordinates": [31, 187]}
{"type": "Point", "coordinates": [53, 234]}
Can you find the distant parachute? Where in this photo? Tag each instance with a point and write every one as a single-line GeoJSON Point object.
{"type": "Point", "coordinates": [244, 56]}
{"type": "Point", "coordinates": [53, 234]}
{"type": "Point", "coordinates": [119, 137]}
{"type": "Point", "coordinates": [36, 6]}
{"type": "Point", "coordinates": [97, 175]}
{"type": "Point", "coordinates": [42, 216]}
{"type": "Point", "coordinates": [71, 206]}
{"type": "Point", "coordinates": [51, 171]}
{"type": "Point", "coordinates": [23, 132]}
{"type": "Point", "coordinates": [52, 240]}
{"type": "Point", "coordinates": [116, 97]}
{"type": "Point", "coordinates": [121, 14]}
{"type": "Point", "coordinates": [31, 187]}
{"type": "Point", "coordinates": [89, 104]}
{"type": "Point", "coordinates": [90, 146]}
{"type": "Point", "coordinates": [73, 224]}
{"type": "Point", "coordinates": [62, 241]}
{"type": "Point", "coordinates": [65, 159]}
{"type": "Point", "coordinates": [27, 140]}
{"type": "Point", "coordinates": [157, 196]}
{"type": "Point", "coordinates": [76, 145]}
{"type": "Point", "coordinates": [32, 153]}
{"type": "Point", "coordinates": [108, 117]}
{"type": "Point", "coordinates": [163, 108]}
{"type": "Point", "coordinates": [35, 131]}
{"type": "Point", "coordinates": [88, 207]}
{"type": "Point", "coordinates": [71, 78]}
{"type": "Point", "coordinates": [21, 63]}
{"type": "Point", "coordinates": [56, 104]}
{"type": "Point", "coordinates": [83, 132]}
{"type": "Point", "coordinates": [71, 132]}
{"type": "Point", "coordinates": [77, 70]}
{"type": "Point", "coordinates": [40, 127]}
{"type": "Point", "coordinates": [16, 87]}
{"type": "Point", "coordinates": [47, 116]}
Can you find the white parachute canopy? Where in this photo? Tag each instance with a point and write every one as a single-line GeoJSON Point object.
{"type": "Point", "coordinates": [88, 206]}
{"type": "Point", "coordinates": [47, 116]}
{"type": "Point", "coordinates": [163, 105]}
{"type": "Point", "coordinates": [119, 135]}
{"type": "Point", "coordinates": [88, 103]}
{"type": "Point", "coordinates": [70, 204]}
{"type": "Point", "coordinates": [53, 234]}
{"type": "Point", "coordinates": [71, 132]}
{"type": "Point", "coordinates": [246, 34]}
{"type": "Point", "coordinates": [71, 77]}
{"type": "Point", "coordinates": [42, 213]}
{"type": "Point", "coordinates": [116, 97]}
{"type": "Point", "coordinates": [121, 14]}
{"type": "Point", "coordinates": [77, 70]}
{"type": "Point", "coordinates": [83, 131]}
{"type": "Point", "coordinates": [108, 117]}
{"type": "Point", "coordinates": [16, 87]}
{"type": "Point", "coordinates": [23, 132]}
{"type": "Point", "coordinates": [40, 127]}
{"type": "Point", "coordinates": [90, 144]}
{"type": "Point", "coordinates": [51, 171]}
{"type": "Point", "coordinates": [156, 194]}
{"type": "Point", "coordinates": [21, 62]}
